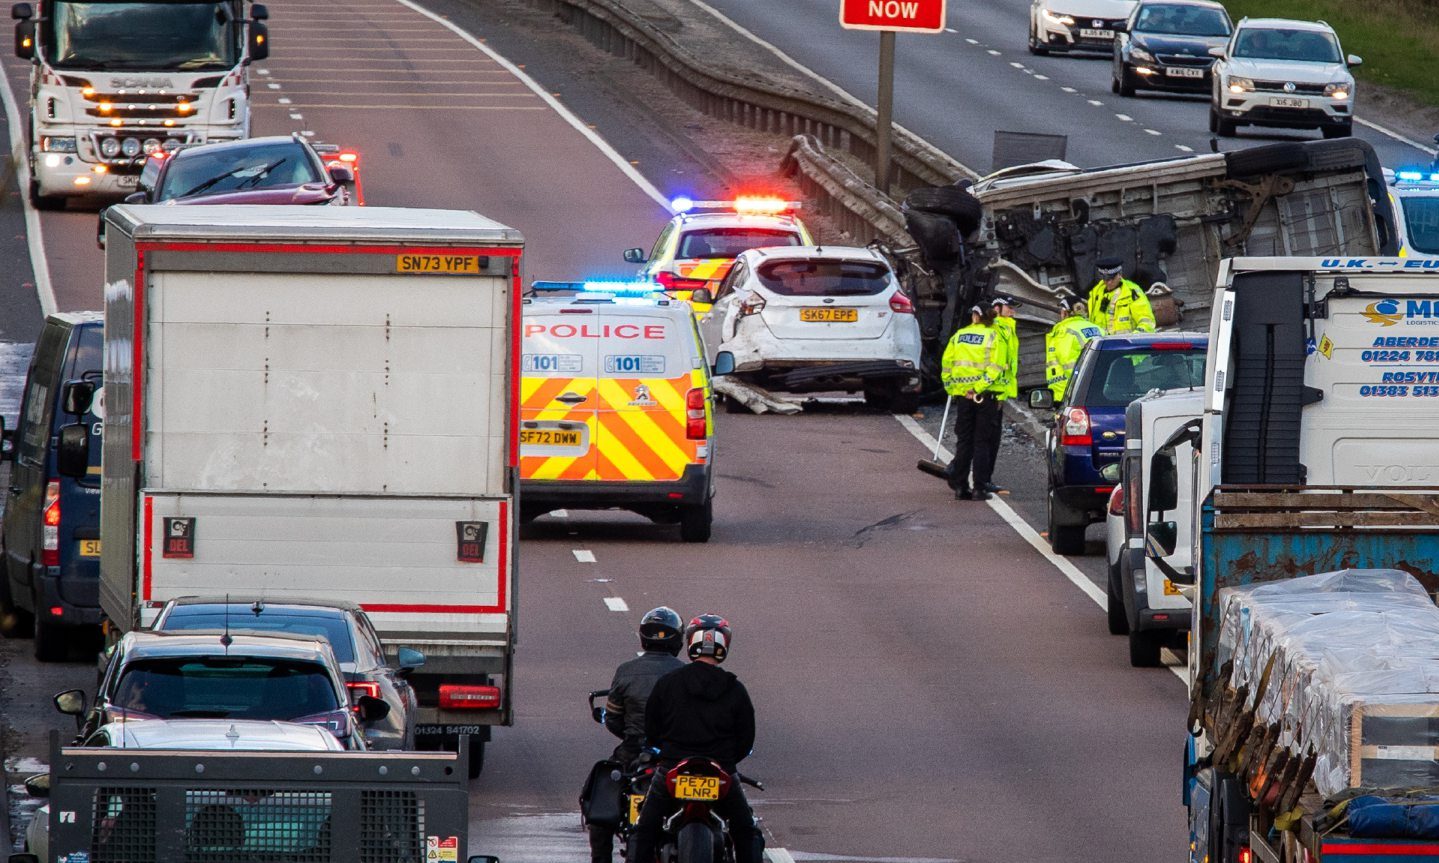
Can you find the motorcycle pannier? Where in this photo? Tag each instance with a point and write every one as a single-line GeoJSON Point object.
{"type": "Point", "coordinates": [601, 801]}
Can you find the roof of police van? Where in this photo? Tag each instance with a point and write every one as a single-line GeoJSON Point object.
{"type": "Point", "coordinates": [292, 223]}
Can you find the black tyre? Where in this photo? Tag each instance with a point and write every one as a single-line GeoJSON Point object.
{"type": "Point", "coordinates": [1035, 46]}
{"type": "Point", "coordinates": [50, 644]}
{"type": "Point", "coordinates": [1144, 649]}
{"type": "Point", "coordinates": [697, 522]}
{"type": "Point", "coordinates": [890, 400]}
{"type": "Point", "coordinates": [44, 202]}
{"type": "Point", "coordinates": [733, 405]}
{"type": "Point", "coordinates": [1126, 84]}
{"type": "Point", "coordinates": [1064, 538]}
{"type": "Point", "coordinates": [695, 844]}
{"type": "Point", "coordinates": [1114, 604]}
{"type": "Point", "coordinates": [1263, 160]}
{"type": "Point", "coordinates": [15, 622]}
{"type": "Point", "coordinates": [1344, 131]}
{"type": "Point", "coordinates": [1213, 121]}
{"type": "Point", "coordinates": [1225, 128]}
{"type": "Point", "coordinates": [956, 203]}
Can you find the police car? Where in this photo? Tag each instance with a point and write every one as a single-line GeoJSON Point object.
{"type": "Point", "coordinates": [698, 246]}
{"type": "Point", "coordinates": [616, 409]}
{"type": "Point", "coordinates": [1415, 192]}
{"type": "Point", "coordinates": [810, 319]}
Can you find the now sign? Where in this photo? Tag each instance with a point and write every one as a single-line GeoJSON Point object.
{"type": "Point", "coordinates": [918, 16]}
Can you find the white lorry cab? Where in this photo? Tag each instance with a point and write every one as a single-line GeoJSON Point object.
{"type": "Point", "coordinates": [112, 82]}
{"type": "Point", "coordinates": [318, 401]}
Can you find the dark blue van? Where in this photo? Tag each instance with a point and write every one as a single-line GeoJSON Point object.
{"type": "Point", "coordinates": [50, 565]}
{"type": "Point", "coordinates": [1088, 431]}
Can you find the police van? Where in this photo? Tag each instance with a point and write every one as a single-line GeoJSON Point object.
{"type": "Point", "coordinates": [616, 409]}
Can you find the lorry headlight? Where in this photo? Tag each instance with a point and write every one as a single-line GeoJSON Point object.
{"type": "Point", "coordinates": [1338, 90]}
{"type": "Point", "coordinates": [110, 147]}
{"type": "Point", "coordinates": [130, 147]}
{"type": "Point", "coordinates": [57, 145]}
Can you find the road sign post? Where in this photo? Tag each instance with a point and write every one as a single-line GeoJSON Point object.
{"type": "Point", "coordinates": [889, 17]}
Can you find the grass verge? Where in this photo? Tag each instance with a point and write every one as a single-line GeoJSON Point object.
{"type": "Point", "coordinates": [1398, 39]}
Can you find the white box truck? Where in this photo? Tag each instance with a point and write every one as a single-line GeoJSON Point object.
{"type": "Point", "coordinates": [321, 401]}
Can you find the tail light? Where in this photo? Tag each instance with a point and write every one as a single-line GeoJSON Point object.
{"type": "Point", "coordinates": [696, 428]}
{"type": "Point", "coordinates": [1172, 346]}
{"type": "Point", "coordinates": [454, 697]}
{"type": "Point", "coordinates": [337, 722]}
{"type": "Point", "coordinates": [50, 526]}
{"type": "Point", "coordinates": [362, 688]}
{"type": "Point", "coordinates": [900, 304]}
{"type": "Point", "coordinates": [752, 305]}
{"type": "Point", "coordinates": [1246, 855]}
{"type": "Point", "coordinates": [672, 282]}
{"type": "Point", "coordinates": [1074, 431]}
{"type": "Point", "coordinates": [1133, 514]}
{"type": "Point", "coordinates": [1116, 501]}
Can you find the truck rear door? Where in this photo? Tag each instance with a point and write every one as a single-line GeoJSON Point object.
{"type": "Point", "coordinates": [646, 372]}
{"type": "Point", "coordinates": [558, 398]}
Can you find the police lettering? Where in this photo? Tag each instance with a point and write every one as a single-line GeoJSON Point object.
{"type": "Point", "coordinates": [596, 331]}
{"type": "Point", "coordinates": [972, 338]}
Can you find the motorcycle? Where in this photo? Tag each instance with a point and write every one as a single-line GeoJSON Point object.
{"type": "Point", "coordinates": [614, 793]}
{"type": "Point", "coordinates": [694, 832]}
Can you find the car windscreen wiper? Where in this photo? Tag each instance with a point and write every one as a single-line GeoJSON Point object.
{"type": "Point", "coordinates": [214, 181]}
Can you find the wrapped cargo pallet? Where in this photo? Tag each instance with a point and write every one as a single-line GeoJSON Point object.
{"type": "Point", "coordinates": [1343, 667]}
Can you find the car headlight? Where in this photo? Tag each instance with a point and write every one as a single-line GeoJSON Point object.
{"type": "Point", "coordinates": [1241, 85]}
{"type": "Point", "coordinates": [1339, 90]}
{"type": "Point", "coordinates": [1138, 53]}
{"type": "Point", "coordinates": [57, 145]}
{"type": "Point", "coordinates": [1058, 18]}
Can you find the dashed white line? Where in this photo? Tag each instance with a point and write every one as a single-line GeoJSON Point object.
{"type": "Point", "coordinates": [584, 555]}
{"type": "Point", "coordinates": [1183, 149]}
{"type": "Point", "coordinates": [1125, 117]}
{"type": "Point", "coordinates": [1016, 65]}
{"type": "Point", "coordinates": [308, 134]}
{"type": "Point", "coordinates": [297, 116]}
{"type": "Point", "coordinates": [1396, 136]}
{"type": "Point", "coordinates": [283, 101]}
{"type": "Point", "coordinates": [616, 603]}
{"type": "Point", "coordinates": [1027, 533]}
{"type": "Point", "coordinates": [1038, 77]}
{"type": "Point", "coordinates": [1095, 102]}
{"type": "Point", "coordinates": [993, 53]}
{"type": "Point", "coordinates": [950, 30]}
{"type": "Point", "coordinates": [1069, 89]}
{"type": "Point", "coordinates": [1153, 132]}
{"type": "Point", "coordinates": [263, 71]}
{"type": "Point", "coordinates": [273, 86]}
{"type": "Point", "coordinates": [972, 41]}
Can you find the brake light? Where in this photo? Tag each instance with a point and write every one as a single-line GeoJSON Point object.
{"type": "Point", "coordinates": [50, 526]}
{"type": "Point", "coordinates": [1133, 517]}
{"type": "Point", "coordinates": [900, 304]}
{"type": "Point", "coordinates": [752, 305]}
{"type": "Point", "coordinates": [1172, 346]}
{"type": "Point", "coordinates": [1116, 501]}
{"type": "Point", "coordinates": [454, 697]}
{"type": "Point", "coordinates": [362, 688]}
{"type": "Point", "coordinates": [672, 282]}
{"type": "Point", "coordinates": [696, 426]}
{"type": "Point", "coordinates": [1246, 855]}
{"type": "Point", "coordinates": [1074, 431]}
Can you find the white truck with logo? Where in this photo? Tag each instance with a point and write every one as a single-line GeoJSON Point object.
{"type": "Point", "coordinates": [112, 81]}
{"type": "Point", "coordinates": [319, 401]}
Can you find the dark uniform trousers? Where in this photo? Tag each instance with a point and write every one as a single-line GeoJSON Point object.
{"type": "Point", "coordinates": [976, 429]}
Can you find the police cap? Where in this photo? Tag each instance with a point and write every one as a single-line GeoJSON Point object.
{"type": "Point", "coordinates": [1109, 266]}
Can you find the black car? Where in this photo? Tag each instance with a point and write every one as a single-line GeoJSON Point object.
{"type": "Point", "coordinates": [223, 674]}
{"type": "Point", "coordinates": [1166, 46]}
{"type": "Point", "coordinates": [275, 170]}
{"type": "Point", "coordinates": [343, 624]}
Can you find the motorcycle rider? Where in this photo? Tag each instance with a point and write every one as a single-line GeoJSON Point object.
{"type": "Point", "coordinates": [660, 638]}
{"type": "Point", "coordinates": [700, 711]}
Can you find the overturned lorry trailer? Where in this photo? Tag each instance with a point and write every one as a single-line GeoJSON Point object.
{"type": "Point", "coordinates": [147, 806]}
{"type": "Point", "coordinates": [1042, 227]}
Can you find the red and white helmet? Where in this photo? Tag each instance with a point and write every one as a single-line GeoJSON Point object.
{"type": "Point", "coordinates": [708, 635]}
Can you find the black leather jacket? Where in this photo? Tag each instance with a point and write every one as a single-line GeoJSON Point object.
{"type": "Point", "coordinates": [629, 693]}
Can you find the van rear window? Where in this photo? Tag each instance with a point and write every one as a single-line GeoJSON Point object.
{"type": "Point", "coordinates": [731, 242]}
{"type": "Point", "coordinates": [824, 278]}
{"type": "Point", "coordinates": [605, 345]}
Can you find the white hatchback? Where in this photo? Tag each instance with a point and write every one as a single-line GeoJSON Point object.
{"type": "Point", "coordinates": [818, 319]}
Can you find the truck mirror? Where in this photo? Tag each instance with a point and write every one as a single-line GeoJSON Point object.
{"type": "Point", "coordinates": [71, 702]}
{"type": "Point", "coordinates": [259, 41]}
{"type": "Point", "coordinates": [259, 12]}
{"type": "Point", "coordinates": [724, 364]}
{"type": "Point", "coordinates": [371, 709]}
{"type": "Point", "coordinates": [22, 12]}
{"type": "Point", "coordinates": [702, 296]}
{"type": "Point", "coordinates": [1163, 482]}
{"type": "Point", "coordinates": [79, 396]}
{"type": "Point", "coordinates": [24, 39]}
{"type": "Point", "coordinates": [136, 198]}
{"type": "Point", "coordinates": [1110, 473]}
{"type": "Point", "coordinates": [38, 786]}
{"type": "Point", "coordinates": [1163, 535]}
{"type": "Point", "coordinates": [409, 658]}
{"type": "Point", "coordinates": [72, 457]}
{"type": "Point", "coordinates": [1041, 400]}
{"type": "Point", "coordinates": [634, 256]}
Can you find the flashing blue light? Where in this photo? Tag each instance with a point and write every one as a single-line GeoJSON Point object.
{"type": "Point", "coordinates": [682, 204]}
{"type": "Point", "coordinates": [1410, 176]}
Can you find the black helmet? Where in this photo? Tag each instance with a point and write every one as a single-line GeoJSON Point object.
{"type": "Point", "coordinates": [708, 635]}
{"type": "Point", "coordinates": [660, 630]}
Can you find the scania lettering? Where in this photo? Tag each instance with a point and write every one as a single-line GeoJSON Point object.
{"type": "Point", "coordinates": [113, 81]}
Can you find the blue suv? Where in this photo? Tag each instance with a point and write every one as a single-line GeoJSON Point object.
{"type": "Point", "coordinates": [1088, 430]}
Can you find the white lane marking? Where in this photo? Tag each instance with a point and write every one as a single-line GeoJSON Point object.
{"type": "Point", "coordinates": [818, 857]}
{"type": "Point", "coordinates": [1027, 533]}
{"type": "Point", "coordinates": [1095, 102]}
{"type": "Point", "coordinates": [778, 855]}
{"type": "Point", "coordinates": [616, 603]}
{"type": "Point", "coordinates": [1183, 149]}
{"type": "Point", "coordinates": [1038, 77]}
{"type": "Point", "coordinates": [1396, 136]}
{"type": "Point", "coordinates": [273, 86]}
{"type": "Point", "coordinates": [950, 30]}
{"type": "Point", "coordinates": [565, 113]}
{"type": "Point", "coordinates": [297, 116]}
{"type": "Point", "coordinates": [263, 71]}
{"type": "Point", "coordinates": [1125, 117]}
{"type": "Point", "coordinates": [1016, 65]}
{"type": "Point", "coordinates": [584, 555]}
{"type": "Point", "coordinates": [1069, 89]}
{"type": "Point", "coordinates": [39, 264]}
{"type": "Point", "coordinates": [992, 52]}
{"type": "Point", "coordinates": [1153, 132]}
{"type": "Point", "coordinates": [411, 107]}
{"type": "Point", "coordinates": [283, 101]}
{"type": "Point", "coordinates": [308, 134]}
{"type": "Point", "coordinates": [972, 41]}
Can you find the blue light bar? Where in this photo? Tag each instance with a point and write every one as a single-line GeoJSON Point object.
{"type": "Point", "coordinates": [682, 204]}
{"type": "Point", "coordinates": [1409, 176]}
{"type": "Point", "coordinates": [616, 288]}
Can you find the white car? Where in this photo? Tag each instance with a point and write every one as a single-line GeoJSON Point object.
{"type": "Point", "coordinates": [1286, 74]}
{"type": "Point", "coordinates": [1415, 193]}
{"type": "Point", "coordinates": [1076, 25]}
{"type": "Point", "coordinates": [210, 735]}
{"type": "Point", "coordinates": [818, 319]}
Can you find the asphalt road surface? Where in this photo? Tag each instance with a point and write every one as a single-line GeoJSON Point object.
{"type": "Point", "coordinates": [929, 687]}
{"type": "Point", "coordinates": [958, 87]}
